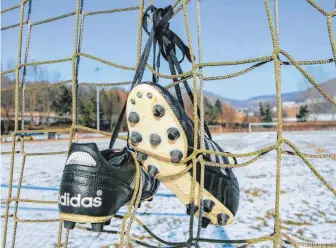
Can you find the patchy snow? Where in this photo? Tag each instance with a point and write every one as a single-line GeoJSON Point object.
{"type": "Point", "coordinates": [308, 209]}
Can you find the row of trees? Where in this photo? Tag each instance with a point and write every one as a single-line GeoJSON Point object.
{"type": "Point", "coordinates": [54, 105]}
{"type": "Point", "coordinates": [59, 100]}
{"type": "Point", "coordinates": [110, 105]}
{"type": "Point", "coordinates": [216, 112]}
{"type": "Point", "coordinates": [48, 101]}
{"type": "Point", "coordinates": [267, 116]}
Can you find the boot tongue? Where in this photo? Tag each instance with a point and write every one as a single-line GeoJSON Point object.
{"type": "Point", "coordinates": [118, 158]}
{"type": "Point", "coordinates": [83, 146]}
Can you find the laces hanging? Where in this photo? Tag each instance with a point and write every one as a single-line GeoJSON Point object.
{"type": "Point", "coordinates": [174, 64]}
{"type": "Point", "coordinates": [160, 19]}
{"type": "Point", "coordinates": [167, 42]}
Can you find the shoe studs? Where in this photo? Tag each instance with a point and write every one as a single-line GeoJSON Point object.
{"type": "Point", "coordinates": [205, 222]}
{"type": "Point", "coordinates": [158, 111]}
{"type": "Point", "coordinates": [176, 156]}
{"type": "Point", "coordinates": [152, 170]}
{"type": "Point", "coordinates": [155, 139]}
{"type": "Point", "coordinates": [97, 227]}
{"type": "Point", "coordinates": [133, 101]}
{"type": "Point", "coordinates": [69, 224]}
{"type": "Point", "coordinates": [208, 205]}
{"type": "Point", "coordinates": [222, 219]}
{"type": "Point", "coordinates": [141, 156]}
{"type": "Point", "coordinates": [136, 137]}
{"type": "Point", "coordinates": [149, 95]}
{"type": "Point", "coordinates": [189, 207]}
{"type": "Point", "coordinates": [133, 118]}
{"type": "Point", "coordinates": [139, 95]}
{"type": "Point", "coordinates": [173, 133]}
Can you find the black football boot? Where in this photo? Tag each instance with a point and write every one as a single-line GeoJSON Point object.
{"type": "Point", "coordinates": [158, 124]}
{"type": "Point", "coordinates": [96, 184]}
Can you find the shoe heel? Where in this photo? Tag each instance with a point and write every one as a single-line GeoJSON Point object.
{"type": "Point", "coordinates": [97, 222]}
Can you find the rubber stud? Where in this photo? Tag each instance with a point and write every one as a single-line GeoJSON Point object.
{"type": "Point", "coordinates": [155, 139]}
{"type": "Point", "coordinates": [107, 223]}
{"type": "Point", "coordinates": [136, 137]}
{"type": "Point", "coordinates": [150, 199]}
{"type": "Point", "coordinates": [189, 209]}
{"type": "Point", "coordinates": [97, 227]}
{"type": "Point", "coordinates": [205, 222]}
{"type": "Point", "coordinates": [222, 219]}
{"type": "Point", "coordinates": [149, 95]}
{"type": "Point", "coordinates": [158, 111]}
{"type": "Point", "coordinates": [141, 156]}
{"type": "Point", "coordinates": [173, 133]}
{"type": "Point", "coordinates": [133, 118]}
{"type": "Point", "coordinates": [152, 170]}
{"type": "Point", "coordinates": [139, 95]}
{"type": "Point", "coordinates": [132, 101]}
{"type": "Point", "coordinates": [69, 224]}
{"type": "Point", "coordinates": [176, 156]}
{"type": "Point", "coordinates": [208, 205]}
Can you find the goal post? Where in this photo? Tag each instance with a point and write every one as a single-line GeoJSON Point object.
{"type": "Point", "coordinates": [261, 124]}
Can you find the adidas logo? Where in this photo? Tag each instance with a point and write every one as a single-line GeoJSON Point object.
{"type": "Point", "coordinates": [78, 201]}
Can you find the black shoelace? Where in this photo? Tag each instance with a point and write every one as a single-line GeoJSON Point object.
{"type": "Point", "coordinates": [167, 41]}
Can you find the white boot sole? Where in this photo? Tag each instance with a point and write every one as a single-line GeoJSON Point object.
{"type": "Point", "coordinates": [141, 101]}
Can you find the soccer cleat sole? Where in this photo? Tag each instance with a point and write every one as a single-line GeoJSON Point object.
{"type": "Point", "coordinates": [157, 117]}
{"type": "Point", "coordinates": [97, 227]}
{"type": "Point", "coordinates": [69, 224]}
{"type": "Point", "coordinates": [97, 223]}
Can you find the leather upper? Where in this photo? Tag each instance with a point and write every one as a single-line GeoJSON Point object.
{"type": "Point", "coordinates": [102, 189]}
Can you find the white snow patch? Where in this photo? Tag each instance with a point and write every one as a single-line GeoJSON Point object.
{"type": "Point", "coordinates": [307, 207]}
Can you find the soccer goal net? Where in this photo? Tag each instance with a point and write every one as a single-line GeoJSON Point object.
{"type": "Point", "coordinates": [19, 153]}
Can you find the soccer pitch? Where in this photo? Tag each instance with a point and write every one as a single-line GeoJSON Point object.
{"type": "Point", "coordinates": [308, 209]}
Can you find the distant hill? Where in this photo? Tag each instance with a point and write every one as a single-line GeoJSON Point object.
{"type": "Point", "coordinates": [298, 96]}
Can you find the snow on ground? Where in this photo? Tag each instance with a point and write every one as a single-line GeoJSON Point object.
{"type": "Point", "coordinates": [308, 209]}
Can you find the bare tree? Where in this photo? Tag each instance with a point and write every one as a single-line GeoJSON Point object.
{"type": "Point", "coordinates": [37, 74]}
{"type": "Point", "coordinates": [32, 106]}
{"type": "Point", "coordinates": [55, 77]}
{"type": "Point", "coordinates": [7, 101]}
{"type": "Point", "coordinates": [229, 113]}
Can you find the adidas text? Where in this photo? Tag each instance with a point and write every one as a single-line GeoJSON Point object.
{"type": "Point", "coordinates": [78, 201]}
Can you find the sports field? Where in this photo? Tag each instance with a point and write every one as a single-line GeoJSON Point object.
{"type": "Point", "coordinates": [308, 209]}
